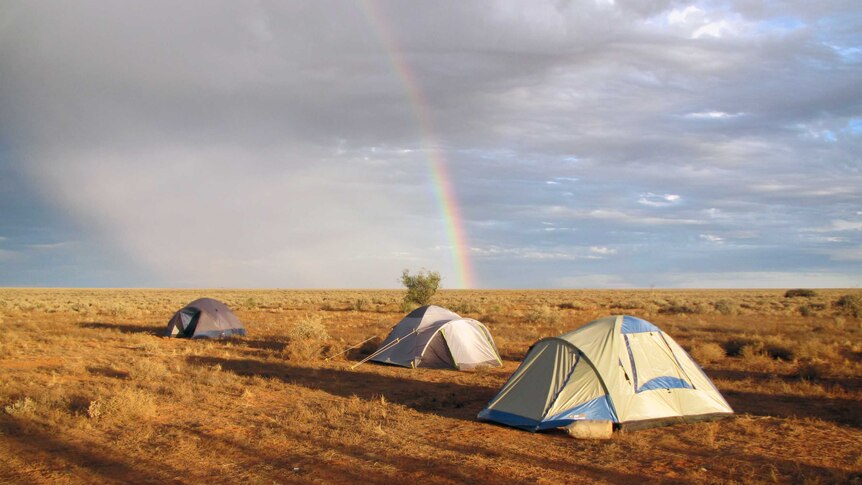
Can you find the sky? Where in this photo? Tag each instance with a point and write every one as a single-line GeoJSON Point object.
{"type": "Point", "coordinates": [505, 144]}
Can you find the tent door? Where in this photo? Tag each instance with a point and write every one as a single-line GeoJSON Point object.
{"type": "Point", "coordinates": [437, 353]}
{"type": "Point", "coordinates": [189, 319]}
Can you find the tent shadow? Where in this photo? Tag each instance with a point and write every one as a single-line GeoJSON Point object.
{"type": "Point", "coordinates": [127, 328]}
{"type": "Point", "coordinates": [64, 456]}
{"type": "Point", "coordinates": [447, 399]}
{"type": "Point", "coordinates": [307, 467]}
{"type": "Point", "coordinates": [272, 345]}
{"type": "Point", "coordinates": [843, 412]}
{"type": "Point", "coordinates": [847, 383]}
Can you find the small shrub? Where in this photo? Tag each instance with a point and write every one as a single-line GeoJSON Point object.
{"type": "Point", "coordinates": [779, 351]}
{"type": "Point", "coordinates": [734, 346]}
{"type": "Point", "coordinates": [127, 404]}
{"type": "Point", "coordinates": [772, 349]}
{"type": "Point", "coordinates": [542, 314]}
{"type": "Point", "coordinates": [307, 338]}
{"type": "Point", "coordinates": [725, 307]}
{"type": "Point", "coordinates": [573, 305]}
{"type": "Point", "coordinates": [682, 309]}
{"type": "Point", "coordinates": [707, 353]}
{"type": "Point", "coordinates": [463, 307]}
{"type": "Point", "coordinates": [22, 406]}
{"type": "Point", "coordinates": [626, 305]}
{"type": "Point", "coordinates": [361, 304]}
{"type": "Point", "coordinates": [146, 369]}
{"type": "Point", "coordinates": [309, 327]}
{"type": "Point", "coordinates": [329, 307]}
{"type": "Point", "coordinates": [810, 371]}
{"type": "Point", "coordinates": [850, 304]}
{"type": "Point", "coordinates": [800, 292]}
{"type": "Point", "coordinates": [95, 409]}
{"type": "Point", "coordinates": [421, 286]}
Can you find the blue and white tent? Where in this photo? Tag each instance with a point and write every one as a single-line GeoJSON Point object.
{"type": "Point", "coordinates": [620, 369]}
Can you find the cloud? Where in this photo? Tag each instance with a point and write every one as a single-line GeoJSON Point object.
{"type": "Point", "coordinates": [838, 225]}
{"type": "Point", "coordinates": [658, 200]}
{"type": "Point", "coordinates": [846, 254]}
{"type": "Point", "coordinates": [712, 115]}
{"type": "Point", "coordinates": [712, 238]}
{"type": "Point", "coordinates": [50, 246]}
{"type": "Point", "coordinates": [267, 144]}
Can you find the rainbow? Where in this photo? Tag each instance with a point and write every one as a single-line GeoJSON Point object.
{"type": "Point", "coordinates": [444, 192]}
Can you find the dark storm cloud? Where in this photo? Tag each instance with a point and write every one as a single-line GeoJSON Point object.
{"type": "Point", "coordinates": [590, 143]}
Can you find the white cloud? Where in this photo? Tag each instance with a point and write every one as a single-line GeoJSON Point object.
{"type": "Point", "coordinates": [658, 200]}
{"type": "Point", "coordinates": [683, 16]}
{"type": "Point", "coordinates": [615, 216]}
{"type": "Point", "coordinates": [524, 253]}
{"type": "Point", "coordinates": [712, 115]}
{"type": "Point", "coordinates": [846, 254]}
{"type": "Point", "coordinates": [759, 279]}
{"type": "Point", "coordinates": [598, 281]}
{"type": "Point", "coordinates": [715, 30]}
{"type": "Point", "coordinates": [602, 250]}
{"type": "Point", "coordinates": [838, 225]}
{"type": "Point", "coordinates": [712, 238]}
{"type": "Point", "coordinates": [50, 246]}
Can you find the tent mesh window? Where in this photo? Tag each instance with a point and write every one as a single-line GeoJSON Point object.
{"type": "Point", "coordinates": [190, 319]}
{"type": "Point", "coordinates": [653, 364]}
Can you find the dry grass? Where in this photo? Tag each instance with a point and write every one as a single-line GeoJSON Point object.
{"type": "Point", "coordinates": [90, 391]}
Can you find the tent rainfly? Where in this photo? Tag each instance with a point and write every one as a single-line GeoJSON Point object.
{"type": "Point", "coordinates": [431, 336]}
{"type": "Point", "coordinates": [618, 369]}
{"type": "Point", "coordinates": [205, 318]}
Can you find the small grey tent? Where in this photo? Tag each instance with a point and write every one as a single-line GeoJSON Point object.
{"type": "Point", "coordinates": [205, 318]}
{"type": "Point", "coordinates": [431, 336]}
{"type": "Point", "coordinates": [618, 369]}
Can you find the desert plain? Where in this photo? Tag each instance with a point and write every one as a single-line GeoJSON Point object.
{"type": "Point", "coordinates": [91, 392]}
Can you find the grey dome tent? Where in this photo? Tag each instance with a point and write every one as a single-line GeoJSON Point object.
{"type": "Point", "coordinates": [205, 318]}
{"type": "Point", "coordinates": [431, 336]}
{"type": "Point", "coordinates": [618, 369]}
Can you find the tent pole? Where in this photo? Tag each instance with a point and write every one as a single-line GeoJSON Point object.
{"type": "Point", "coordinates": [383, 349]}
{"type": "Point", "coordinates": [349, 348]}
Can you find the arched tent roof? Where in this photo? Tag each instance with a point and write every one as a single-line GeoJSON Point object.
{"type": "Point", "coordinates": [432, 336]}
{"type": "Point", "coordinates": [620, 368]}
{"type": "Point", "coordinates": [205, 318]}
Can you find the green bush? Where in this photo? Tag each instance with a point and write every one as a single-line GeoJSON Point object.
{"type": "Point", "coordinates": [420, 287]}
{"type": "Point", "coordinates": [800, 292]}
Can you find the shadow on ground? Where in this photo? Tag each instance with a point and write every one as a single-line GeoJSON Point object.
{"type": "Point", "coordinates": [446, 399]}
{"type": "Point", "coordinates": [127, 328]}
{"type": "Point", "coordinates": [76, 462]}
{"type": "Point", "coordinates": [839, 411]}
